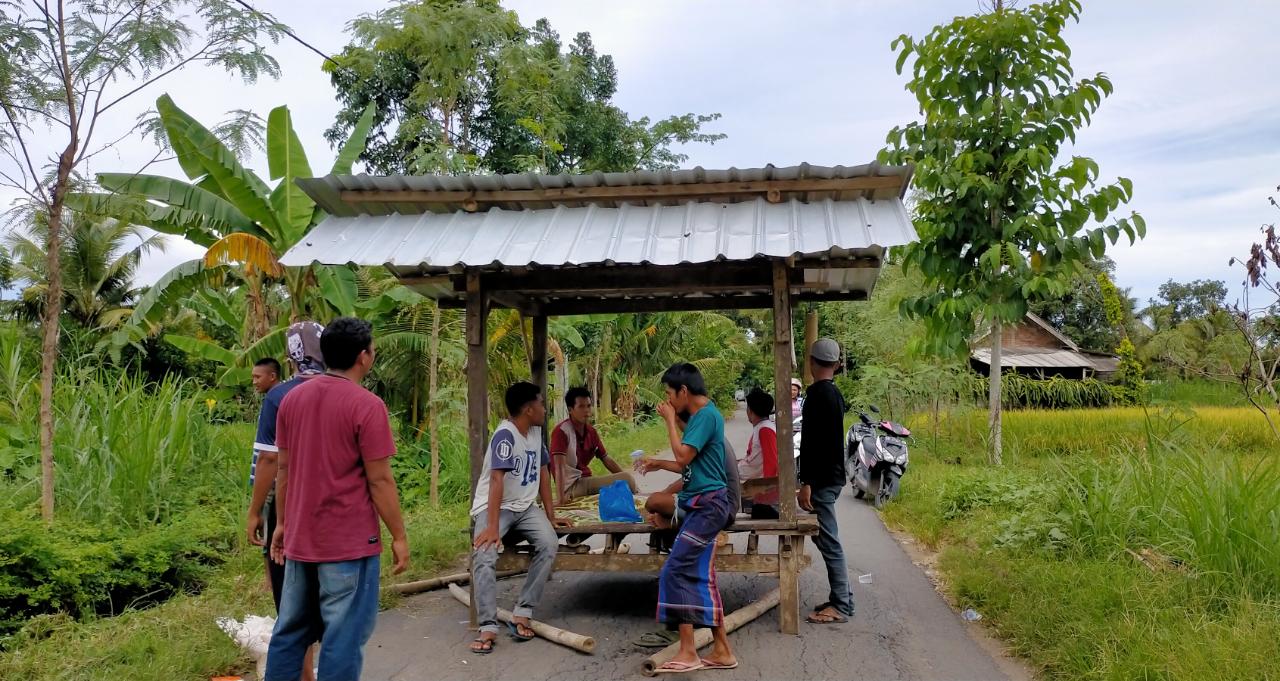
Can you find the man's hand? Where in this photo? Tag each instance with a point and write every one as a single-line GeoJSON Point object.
{"type": "Point", "coordinates": [804, 496]}
{"type": "Point", "coordinates": [667, 412]}
{"type": "Point", "coordinates": [561, 523]}
{"type": "Point", "coordinates": [645, 466]}
{"type": "Point", "coordinates": [254, 529]}
{"type": "Point", "coordinates": [488, 538]}
{"type": "Point", "coordinates": [400, 552]}
{"type": "Point", "coordinates": [277, 545]}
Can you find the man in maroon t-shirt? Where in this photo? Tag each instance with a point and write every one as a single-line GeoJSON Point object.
{"type": "Point", "coordinates": [334, 482]}
{"type": "Point", "coordinates": [574, 443]}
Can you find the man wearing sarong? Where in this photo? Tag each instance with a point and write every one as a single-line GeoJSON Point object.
{"type": "Point", "coordinates": [688, 596]}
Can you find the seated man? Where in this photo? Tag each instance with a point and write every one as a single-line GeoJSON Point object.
{"type": "Point", "coordinates": [661, 506]}
{"type": "Point", "coordinates": [761, 460]}
{"type": "Point", "coordinates": [574, 443]}
{"type": "Point", "coordinates": [514, 475]}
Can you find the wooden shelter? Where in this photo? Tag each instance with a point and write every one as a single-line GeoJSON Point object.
{"type": "Point", "coordinates": [1033, 348]}
{"type": "Point", "coordinates": [625, 243]}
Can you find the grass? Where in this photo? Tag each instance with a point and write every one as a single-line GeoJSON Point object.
{"type": "Point", "coordinates": [1045, 546]}
{"type": "Point", "coordinates": [178, 639]}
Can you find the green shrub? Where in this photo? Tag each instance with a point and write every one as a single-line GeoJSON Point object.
{"type": "Point", "coordinates": [84, 570]}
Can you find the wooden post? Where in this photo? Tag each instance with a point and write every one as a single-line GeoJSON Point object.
{"type": "Point", "coordinates": [538, 361]}
{"type": "Point", "coordinates": [810, 337]}
{"type": "Point", "coordinates": [477, 387]}
{"type": "Point", "coordinates": [783, 356]}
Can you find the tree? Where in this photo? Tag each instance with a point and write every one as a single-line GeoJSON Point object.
{"type": "Point", "coordinates": [1178, 302]}
{"type": "Point", "coordinates": [999, 223]}
{"type": "Point", "coordinates": [64, 66]}
{"type": "Point", "coordinates": [99, 259]}
{"type": "Point", "coordinates": [1080, 312]}
{"type": "Point", "coordinates": [231, 211]}
{"type": "Point", "coordinates": [1259, 323]}
{"type": "Point", "coordinates": [461, 86]}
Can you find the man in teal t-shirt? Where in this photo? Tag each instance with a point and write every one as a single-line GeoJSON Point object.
{"type": "Point", "coordinates": [687, 592]}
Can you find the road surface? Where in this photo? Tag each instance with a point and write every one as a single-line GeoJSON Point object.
{"type": "Point", "coordinates": [903, 630]}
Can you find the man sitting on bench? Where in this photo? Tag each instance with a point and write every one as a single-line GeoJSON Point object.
{"type": "Point", "coordinates": [574, 443]}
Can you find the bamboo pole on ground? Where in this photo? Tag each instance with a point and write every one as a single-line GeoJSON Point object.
{"type": "Point", "coordinates": [702, 637]}
{"type": "Point", "coordinates": [569, 639]}
{"type": "Point", "coordinates": [422, 585]}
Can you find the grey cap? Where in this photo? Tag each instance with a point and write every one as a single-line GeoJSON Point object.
{"type": "Point", "coordinates": [825, 350]}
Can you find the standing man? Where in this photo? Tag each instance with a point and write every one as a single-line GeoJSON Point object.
{"type": "Point", "coordinates": [334, 482]}
{"type": "Point", "coordinates": [574, 443]}
{"type": "Point", "coordinates": [687, 593]}
{"type": "Point", "coordinates": [822, 476]}
{"type": "Point", "coordinates": [302, 341]}
{"type": "Point", "coordinates": [514, 475]}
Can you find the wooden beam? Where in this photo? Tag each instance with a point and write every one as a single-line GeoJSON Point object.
{"type": "Point", "coordinates": [759, 563]}
{"type": "Point", "coordinates": [652, 192]}
{"type": "Point", "coordinates": [791, 562]}
{"type": "Point", "coordinates": [538, 362]}
{"type": "Point", "coordinates": [783, 354]}
{"type": "Point", "coordinates": [477, 316]}
{"type": "Point", "coordinates": [802, 525]}
{"type": "Point", "coordinates": [567, 307]}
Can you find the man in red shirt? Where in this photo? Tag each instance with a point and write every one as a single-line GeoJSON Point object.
{"type": "Point", "coordinates": [574, 443]}
{"type": "Point", "coordinates": [334, 482]}
{"type": "Point", "coordinates": [761, 461]}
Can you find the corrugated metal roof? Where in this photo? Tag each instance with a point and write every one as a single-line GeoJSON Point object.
{"type": "Point", "coordinates": [630, 234]}
{"type": "Point", "coordinates": [1044, 359]}
{"type": "Point", "coordinates": [327, 191]}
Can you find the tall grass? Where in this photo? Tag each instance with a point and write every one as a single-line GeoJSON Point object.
{"type": "Point", "coordinates": [1216, 514]}
{"type": "Point", "coordinates": [137, 453]}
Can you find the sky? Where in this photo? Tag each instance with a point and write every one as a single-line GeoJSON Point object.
{"type": "Point", "coordinates": [1194, 121]}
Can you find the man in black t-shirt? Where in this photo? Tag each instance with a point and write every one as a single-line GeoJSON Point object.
{"type": "Point", "coordinates": [822, 476]}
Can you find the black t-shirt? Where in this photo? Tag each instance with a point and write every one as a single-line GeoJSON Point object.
{"type": "Point", "coordinates": [822, 439]}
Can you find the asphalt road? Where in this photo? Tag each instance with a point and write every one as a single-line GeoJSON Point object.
{"type": "Point", "coordinates": [903, 630]}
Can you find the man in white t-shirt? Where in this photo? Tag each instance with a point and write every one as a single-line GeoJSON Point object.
{"type": "Point", "coordinates": [514, 476]}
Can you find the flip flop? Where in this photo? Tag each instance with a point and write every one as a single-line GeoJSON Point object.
{"type": "Point", "coordinates": [486, 646]}
{"type": "Point", "coordinates": [708, 664]}
{"type": "Point", "coordinates": [676, 667]}
{"type": "Point", "coordinates": [657, 639]}
{"type": "Point", "coordinates": [515, 632]}
{"type": "Point", "coordinates": [834, 619]}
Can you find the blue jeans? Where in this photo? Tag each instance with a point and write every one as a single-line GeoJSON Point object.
{"type": "Point", "coordinates": [828, 542]}
{"type": "Point", "coordinates": [337, 602]}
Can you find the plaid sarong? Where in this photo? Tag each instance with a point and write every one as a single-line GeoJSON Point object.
{"type": "Point", "coordinates": [687, 590]}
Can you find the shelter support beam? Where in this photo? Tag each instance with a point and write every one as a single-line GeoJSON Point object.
{"type": "Point", "coordinates": [783, 357]}
{"type": "Point", "coordinates": [477, 316]}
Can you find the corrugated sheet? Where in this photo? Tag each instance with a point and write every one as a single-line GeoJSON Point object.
{"type": "Point", "coordinates": [1051, 359]}
{"type": "Point", "coordinates": [630, 234]}
{"type": "Point", "coordinates": [326, 191]}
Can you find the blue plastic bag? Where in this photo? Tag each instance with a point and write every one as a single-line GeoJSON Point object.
{"type": "Point", "coordinates": [617, 505]}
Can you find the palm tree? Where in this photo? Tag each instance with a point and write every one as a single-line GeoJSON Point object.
{"type": "Point", "coordinates": [99, 260]}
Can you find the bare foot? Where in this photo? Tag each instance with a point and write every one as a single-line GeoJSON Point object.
{"type": "Point", "coordinates": [828, 615]}
{"type": "Point", "coordinates": [659, 521]}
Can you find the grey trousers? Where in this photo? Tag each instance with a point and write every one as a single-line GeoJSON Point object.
{"type": "Point", "coordinates": [532, 526]}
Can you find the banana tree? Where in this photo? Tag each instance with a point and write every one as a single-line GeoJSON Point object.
{"type": "Point", "coordinates": [243, 223]}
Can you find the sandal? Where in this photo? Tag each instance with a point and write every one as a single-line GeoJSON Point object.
{"type": "Point", "coordinates": [708, 664]}
{"type": "Point", "coordinates": [657, 639]}
{"type": "Point", "coordinates": [677, 667]}
{"type": "Point", "coordinates": [823, 606]}
{"type": "Point", "coordinates": [819, 617]}
{"type": "Point", "coordinates": [486, 646]}
{"type": "Point", "coordinates": [514, 628]}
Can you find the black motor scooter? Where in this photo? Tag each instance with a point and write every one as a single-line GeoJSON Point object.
{"type": "Point", "coordinates": [876, 457]}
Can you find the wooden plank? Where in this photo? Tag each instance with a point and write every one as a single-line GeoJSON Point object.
{"type": "Point", "coordinates": [476, 334]}
{"type": "Point", "coordinates": [783, 354]}
{"type": "Point", "coordinates": [470, 199]}
{"type": "Point", "coordinates": [803, 525]}
{"type": "Point", "coordinates": [791, 560]}
{"type": "Point", "coordinates": [760, 563]}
